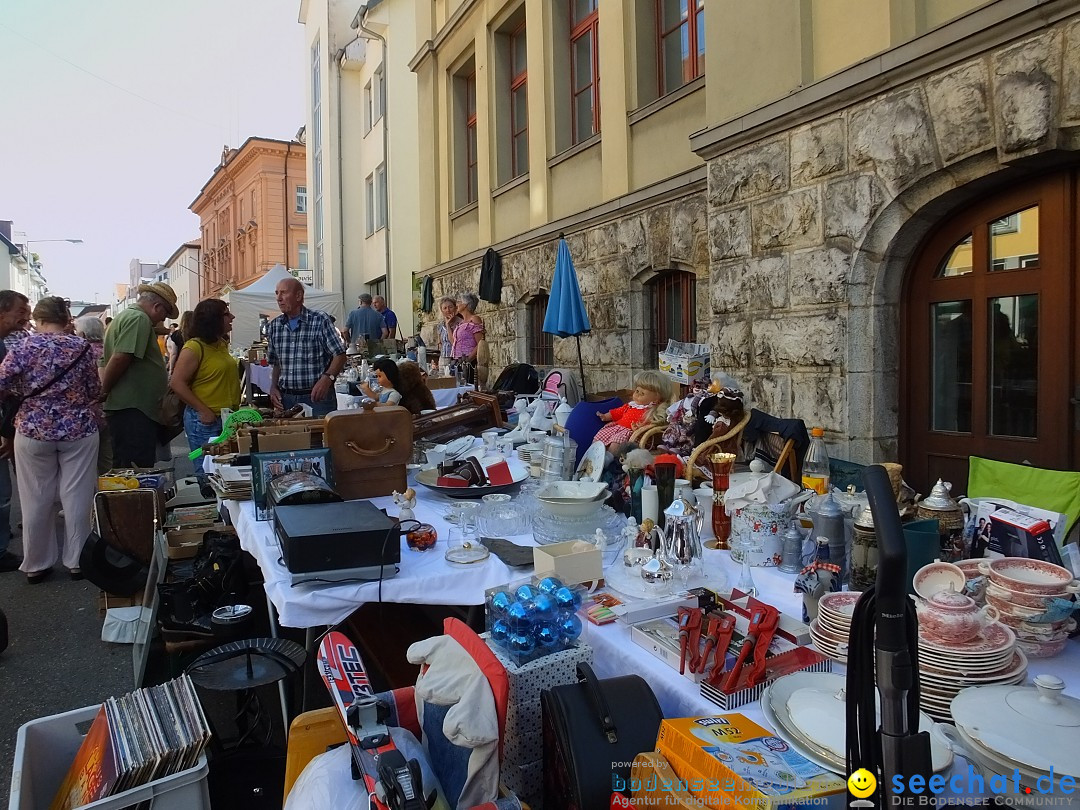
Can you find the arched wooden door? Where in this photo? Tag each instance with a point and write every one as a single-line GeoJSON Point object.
{"type": "Point", "coordinates": [988, 324]}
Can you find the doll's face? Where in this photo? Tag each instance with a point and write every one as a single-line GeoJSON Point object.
{"type": "Point", "coordinates": [643, 396]}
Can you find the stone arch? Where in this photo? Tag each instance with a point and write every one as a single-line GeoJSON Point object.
{"type": "Point", "coordinates": [878, 274]}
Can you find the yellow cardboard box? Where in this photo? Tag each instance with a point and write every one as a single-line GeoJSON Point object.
{"type": "Point", "coordinates": [731, 762]}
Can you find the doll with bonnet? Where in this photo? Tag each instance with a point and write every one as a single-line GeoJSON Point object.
{"type": "Point", "coordinates": [681, 433]}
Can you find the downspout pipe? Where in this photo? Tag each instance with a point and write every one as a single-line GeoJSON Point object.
{"type": "Point", "coordinates": [341, 187]}
{"type": "Point", "coordinates": [285, 206]}
{"type": "Point", "coordinates": [358, 23]}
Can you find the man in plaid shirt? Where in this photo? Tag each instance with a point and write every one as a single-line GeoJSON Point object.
{"type": "Point", "coordinates": [306, 353]}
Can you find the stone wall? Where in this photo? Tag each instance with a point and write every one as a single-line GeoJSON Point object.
{"type": "Point", "coordinates": [614, 260]}
{"type": "Point", "coordinates": [811, 230]}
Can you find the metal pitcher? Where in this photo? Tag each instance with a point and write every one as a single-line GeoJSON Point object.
{"type": "Point", "coordinates": [682, 534]}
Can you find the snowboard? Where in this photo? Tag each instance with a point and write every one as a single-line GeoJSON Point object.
{"type": "Point", "coordinates": [392, 782]}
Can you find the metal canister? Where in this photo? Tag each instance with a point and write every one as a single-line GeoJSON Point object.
{"type": "Point", "coordinates": [791, 550]}
{"type": "Point", "coordinates": [939, 505]}
{"type": "Point", "coordinates": [828, 519]}
{"type": "Point", "coordinates": [863, 563]}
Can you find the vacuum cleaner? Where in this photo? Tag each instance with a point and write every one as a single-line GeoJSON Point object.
{"type": "Point", "coordinates": [885, 632]}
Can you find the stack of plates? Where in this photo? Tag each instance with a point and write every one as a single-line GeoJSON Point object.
{"type": "Point", "coordinates": [947, 667]}
{"type": "Point", "coordinates": [808, 711]}
{"type": "Point", "coordinates": [1020, 590]}
{"type": "Point", "coordinates": [831, 628]}
{"type": "Point", "coordinates": [530, 453]}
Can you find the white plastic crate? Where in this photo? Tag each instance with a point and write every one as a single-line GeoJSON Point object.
{"type": "Point", "coordinates": [46, 747]}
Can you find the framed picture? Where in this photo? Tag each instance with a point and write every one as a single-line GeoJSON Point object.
{"type": "Point", "coordinates": [265, 467]}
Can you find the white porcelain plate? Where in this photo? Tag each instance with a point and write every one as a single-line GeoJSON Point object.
{"type": "Point", "coordinates": [592, 463]}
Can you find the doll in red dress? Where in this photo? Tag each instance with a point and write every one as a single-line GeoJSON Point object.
{"type": "Point", "coordinates": [652, 392]}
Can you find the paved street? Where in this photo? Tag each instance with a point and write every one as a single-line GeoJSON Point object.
{"type": "Point", "coordinates": [56, 660]}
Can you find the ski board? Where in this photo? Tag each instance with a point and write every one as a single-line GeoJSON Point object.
{"type": "Point", "coordinates": [342, 670]}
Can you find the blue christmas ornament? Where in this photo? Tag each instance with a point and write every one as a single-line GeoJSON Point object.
{"type": "Point", "coordinates": [570, 627]}
{"type": "Point", "coordinates": [500, 631]}
{"type": "Point", "coordinates": [522, 643]}
{"type": "Point", "coordinates": [518, 617]}
{"type": "Point", "coordinates": [547, 634]}
{"type": "Point", "coordinates": [546, 606]}
{"type": "Point", "coordinates": [500, 601]}
{"type": "Point", "coordinates": [549, 585]}
{"type": "Point", "coordinates": [526, 592]}
{"type": "Point", "coordinates": [567, 598]}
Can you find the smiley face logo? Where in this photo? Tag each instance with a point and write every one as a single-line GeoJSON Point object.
{"type": "Point", "coordinates": [862, 783]}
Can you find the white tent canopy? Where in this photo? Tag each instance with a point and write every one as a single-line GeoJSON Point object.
{"type": "Point", "coordinates": [258, 299]}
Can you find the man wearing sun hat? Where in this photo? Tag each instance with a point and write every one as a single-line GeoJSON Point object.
{"type": "Point", "coordinates": [133, 377]}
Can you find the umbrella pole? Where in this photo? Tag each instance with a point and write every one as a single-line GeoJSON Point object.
{"type": "Point", "coordinates": [581, 367]}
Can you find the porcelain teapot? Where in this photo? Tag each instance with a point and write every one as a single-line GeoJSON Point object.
{"type": "Point", "coordinates": [951, 616]}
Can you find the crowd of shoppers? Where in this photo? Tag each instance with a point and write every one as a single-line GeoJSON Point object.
{"type": "Point", "coordinates": [86, 396]}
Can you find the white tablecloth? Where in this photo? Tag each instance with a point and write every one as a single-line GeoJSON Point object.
{"type": "Point", "coordinates": [260, 376]}
{"type": "Point", "coordinates": [425, 577]}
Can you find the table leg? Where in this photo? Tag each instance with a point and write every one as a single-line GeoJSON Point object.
{"type": "Point", "coordinates": [271, 613]}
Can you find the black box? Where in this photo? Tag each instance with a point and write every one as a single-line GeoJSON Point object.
{"type": "Point", "coordinates": [353, 536]}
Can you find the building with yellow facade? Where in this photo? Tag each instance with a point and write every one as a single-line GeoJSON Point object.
{"type": "Point", "coordinates": [868, 210]}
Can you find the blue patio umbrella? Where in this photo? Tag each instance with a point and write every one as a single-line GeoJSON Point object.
{"type": "Point", "coordinates": [566, 315]}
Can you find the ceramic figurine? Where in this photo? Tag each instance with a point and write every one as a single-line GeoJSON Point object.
{"type": "Point", "coordinates": [406, 501]}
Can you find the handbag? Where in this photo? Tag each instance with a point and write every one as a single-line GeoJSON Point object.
{"type": "Point", "coordinates": [369, 450]}
{"type": "Point", "coordinates": [12, 404]}
{"type": "Point", "coordinates": [592, 730]}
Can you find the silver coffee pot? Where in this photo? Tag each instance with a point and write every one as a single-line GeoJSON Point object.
{"type": "Point", "coordinates": [682, 537]}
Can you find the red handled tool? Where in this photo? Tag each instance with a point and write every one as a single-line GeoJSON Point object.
{"type": "Point", "coordinates": [763, 622]}
{"type": "Point", "coordinates": [689, 636]}
{"type": "Point", "coordinates": [721, 628]}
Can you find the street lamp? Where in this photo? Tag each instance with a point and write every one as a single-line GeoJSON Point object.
{"type": "Point", "coordinates": [72, 241]}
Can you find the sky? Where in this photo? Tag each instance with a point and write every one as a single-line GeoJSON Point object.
{"type": "Point", "coordinates": [114, 114]}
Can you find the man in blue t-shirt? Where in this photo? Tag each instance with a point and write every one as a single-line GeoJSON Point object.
{"type": "Point", "coordinates": [379, 305]}
{"type": "Point", "coordinates": [364, 323]}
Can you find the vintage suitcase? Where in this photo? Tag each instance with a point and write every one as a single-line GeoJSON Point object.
{"type": "Point", "coordinates": [369, 450]}
{"type": "Point", "coordinates": [126, 520]}
{"type": "Point", "coordinates": [592, 730]}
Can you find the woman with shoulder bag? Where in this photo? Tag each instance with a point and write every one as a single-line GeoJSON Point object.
{"type": "Point", "coordinates": [205, 377]}
{"type": "Point", "coordinates": [56, 436]}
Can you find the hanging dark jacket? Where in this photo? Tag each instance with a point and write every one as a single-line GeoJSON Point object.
{"type": "Point", "coordinates": [491, 277]}
{"type": "Point", "coordinates": [427, 295]}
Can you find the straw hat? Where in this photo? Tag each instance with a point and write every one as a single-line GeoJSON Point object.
{"type": "Point", "coordinates": [165, 293]}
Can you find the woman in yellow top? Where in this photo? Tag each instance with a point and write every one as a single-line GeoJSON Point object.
{"type": "Point", "coordinates": [205, 377]}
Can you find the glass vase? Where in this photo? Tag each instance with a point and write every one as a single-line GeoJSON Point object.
{"type": "Point", "coordinates": [721, 520]}
{"type": "Point", "coordinates": [665, 489]}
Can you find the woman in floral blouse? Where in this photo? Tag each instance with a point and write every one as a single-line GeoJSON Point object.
{"type": "Point", "coordinates": [56, 437]}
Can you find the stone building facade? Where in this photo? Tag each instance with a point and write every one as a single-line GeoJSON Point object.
{"type": "Point", "coordinates": [803, 230]}
{"type": "Point", "coordinates": [812, 230]}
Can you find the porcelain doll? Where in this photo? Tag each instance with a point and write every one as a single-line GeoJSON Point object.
{"type": "Point", "coordinates": [652, 391]}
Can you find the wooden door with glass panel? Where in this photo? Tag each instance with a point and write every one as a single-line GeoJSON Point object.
{"type": "Point", "coordinates": [987, 327]}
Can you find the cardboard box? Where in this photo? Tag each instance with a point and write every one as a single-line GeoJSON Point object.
{"type": "Point", "coordinates": [573, 562]}
{"type": "Point", "coordinates": [524, 781]}
{"type": "Point", "coordinates": [521, 733]}
{"type": "Point", "coordinates": [276, 438]}
{"type": "Point", "coordinates": [439, 383]}
{"type": "Point", "coordinates": [685, 362]}
{"type": "Point", "coordinates": [183, 544]}
{"type": "Point", "coordinates": [728, 761]}
{"type": "Point", "coordinates": [654, 783]}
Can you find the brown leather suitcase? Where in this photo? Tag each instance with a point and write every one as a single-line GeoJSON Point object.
{"type": "Point", "coordinates": [369, 450]}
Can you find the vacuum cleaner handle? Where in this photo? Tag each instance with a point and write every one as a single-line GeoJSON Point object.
{"type": "Point", "coordinates": [891, 587]}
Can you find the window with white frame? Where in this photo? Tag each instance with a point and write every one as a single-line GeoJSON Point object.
{"type": "Point", "coordinates": [380, 94]}
{"type": "Point", "coordinates": [301, 256]}
{"type": "Point", "coordinates": [301, 199]}
{"type": "Point", "coordinates": [369, 207]}
{"type": "Point", "coordinates": [584, 69]}
{"type": "Point", "coordinates": [381, 209]}
{"type": "Point", "coordinates": [369, 107]}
